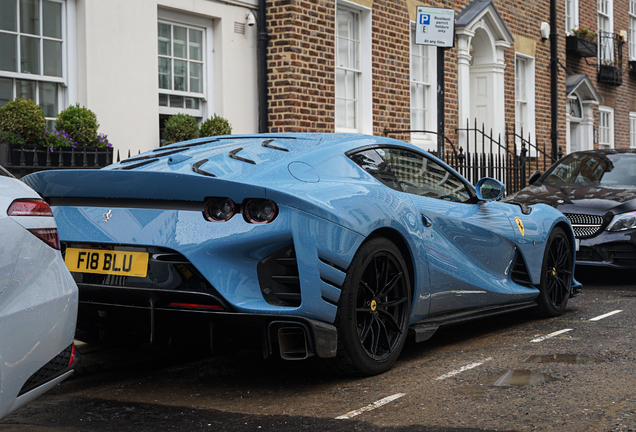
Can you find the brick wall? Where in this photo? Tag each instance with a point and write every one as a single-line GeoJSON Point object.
{"type": "Point", "coordinates": [301, 62]}
{"type": "Point", "coordinates": [616, 97]}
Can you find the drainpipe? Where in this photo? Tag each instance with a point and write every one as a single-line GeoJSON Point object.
{"type": "Point", "coordinates": [263, 38]}
{"type": "Point", "coordinates": [554, 81]}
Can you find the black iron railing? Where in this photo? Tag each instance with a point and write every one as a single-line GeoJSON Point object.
{"type": "Point", "coordinates": [610, 58]}
{"type": "Point", "coordinates": [21, 160]}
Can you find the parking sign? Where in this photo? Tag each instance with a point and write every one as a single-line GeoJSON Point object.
{"type": "Point", "coordinates": [435, 26]}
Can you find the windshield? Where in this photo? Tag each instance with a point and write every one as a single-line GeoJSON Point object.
{"type": "Point", "coordinates": [597, 169]}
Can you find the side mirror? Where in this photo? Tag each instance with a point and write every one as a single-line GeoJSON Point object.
{"type": "Point", "coordinates": [490, 189]}
{"type": "Point", "coordinates": [534, 177]}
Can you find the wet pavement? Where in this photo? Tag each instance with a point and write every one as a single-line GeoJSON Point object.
{"type": "Point", "coordinates": [506, 373]}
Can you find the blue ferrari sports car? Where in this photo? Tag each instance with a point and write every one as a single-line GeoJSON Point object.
{"type": "Point", "coordinates": [332, 246]}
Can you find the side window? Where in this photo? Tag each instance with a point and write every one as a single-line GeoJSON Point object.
{"type": "Point", "coordinates": [419, 175]}
{"type": "Point", "coordinates": [413, 173]}
{"type": "Point", "coordinates": [371, 162]}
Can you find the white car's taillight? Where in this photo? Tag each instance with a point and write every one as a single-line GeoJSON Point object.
{"type": "Point", "coordinates": [36, 207]}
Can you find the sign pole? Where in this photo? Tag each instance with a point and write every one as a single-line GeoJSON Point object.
{"type": "Point", "coordinates": [440, 103]}
{"type": "Point", "coordinates": [436, 27]}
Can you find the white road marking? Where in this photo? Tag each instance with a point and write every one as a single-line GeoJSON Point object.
{"type": "Point", "coordinates": [600, 317]}
{"type": "Point", "coordinates": [372, 406]}
{"type": "Point", "coordinates": [556, 333]}
{"type": "Point", "coordinates": [462, 369]}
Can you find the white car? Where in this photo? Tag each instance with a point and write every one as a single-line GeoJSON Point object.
{"type": "Point", "coordinates": [38, 298]}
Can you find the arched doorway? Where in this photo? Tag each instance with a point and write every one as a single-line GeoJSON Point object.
{"type": "Point", "coordinates": [482, 38]}
{"type": "Point", "coordinates": [579, 117]}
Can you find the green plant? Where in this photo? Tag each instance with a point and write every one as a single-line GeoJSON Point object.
{"type": "Point", "coordinates": [22, 121]}
{"type": "Point", "coordinates": [585, 33]}
{"type": "Point", "coordinates": [79, 123]}
{"type": "Point", "coordinates": [214, 126]}
{"type": "Point", "coordinates": [181, 127]}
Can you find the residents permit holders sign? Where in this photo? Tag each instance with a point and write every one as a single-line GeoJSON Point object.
{"type": "Point", "coordinates": [435, 26]}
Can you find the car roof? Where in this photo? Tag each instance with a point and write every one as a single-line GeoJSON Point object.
{"type": "Point", "coordinates": [235, 156]}
{"type": "Point", "coordinates": [605, 151]}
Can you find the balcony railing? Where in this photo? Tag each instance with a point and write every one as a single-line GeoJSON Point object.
{"type": "Point", "coordinates": [610, 58]}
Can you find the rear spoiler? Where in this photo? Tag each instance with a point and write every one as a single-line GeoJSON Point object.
{"type": "Point", "coordinates": [92, 187]}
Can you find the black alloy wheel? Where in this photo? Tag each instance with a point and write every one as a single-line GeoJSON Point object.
{"type": "Point", "coordinates": [374, 309]}
{"type": "Point", "coordinates": [556, 275]}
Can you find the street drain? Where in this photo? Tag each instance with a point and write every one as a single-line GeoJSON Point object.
{"type": "Point", "coordinates": [518, 378]}
{"type": "Point", "coordinates": [562, 358]}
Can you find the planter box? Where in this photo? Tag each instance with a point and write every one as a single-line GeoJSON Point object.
{"type": "Point", "coordinates": [580, 46]}
{"type": "Point", "coordinates": [631, 67]}
{"type": "Point", "coordinates": [21, 160]}
{"type": "Point", "coordinates": [610, 74]}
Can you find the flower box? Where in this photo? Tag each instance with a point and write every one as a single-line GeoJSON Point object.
{"type": "Point", "coordinates": [580, 46]}
{"type": "Point", "coordinates": [631, 67]}
{"type": "Point", "coordinates": [610, 74]}
{"type": "Point", "coordinates": [21, 160]}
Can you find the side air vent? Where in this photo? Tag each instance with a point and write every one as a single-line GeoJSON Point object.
{"type": "Point", "coordinates": [278, 278]}
{"type": "Point", "coordinates": [519, 273]}
{"type": "Point", "coordinates": [61, 363]}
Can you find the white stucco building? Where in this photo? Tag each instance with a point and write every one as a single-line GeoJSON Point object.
{"type": "Point", "coordinates": [133, 63]}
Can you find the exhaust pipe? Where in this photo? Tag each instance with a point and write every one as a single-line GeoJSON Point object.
{"type": "Point", "coordinates": [293, 343]}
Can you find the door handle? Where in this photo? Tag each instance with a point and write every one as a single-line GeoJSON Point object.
{"type": "Point", "coordinates": [426, 221]}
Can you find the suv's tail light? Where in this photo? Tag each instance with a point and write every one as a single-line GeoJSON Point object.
{"type": "Point", "coordinates": [29, 207]}
{"type": "Point", "coordinates": [48, 236]}
{"type": "Point", "coordinates": [36, 207]}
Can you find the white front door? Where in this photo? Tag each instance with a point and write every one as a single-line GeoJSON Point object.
{"type": "Point", "coordinates": [481, 99]}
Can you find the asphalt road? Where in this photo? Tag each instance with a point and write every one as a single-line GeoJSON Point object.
{"type": "Point", "coordinates": [508, 373]}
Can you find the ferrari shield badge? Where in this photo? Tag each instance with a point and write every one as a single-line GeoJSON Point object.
{"type": "Point", "coordinates": [520, 225]}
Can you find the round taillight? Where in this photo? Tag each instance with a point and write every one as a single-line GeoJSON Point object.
{"type": "Point", "coordinates": [260, 211]}
{"type": "Point", "coordinates": [219, 209]}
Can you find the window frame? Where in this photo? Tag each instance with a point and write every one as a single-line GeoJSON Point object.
{"type": "Point", "coordinates": [190, 22]}
{"type": "Point", "coordinates": [62, 87]}
{"type": "Point", "coordinates": [602, 15]}
{"type": "Point", "coordinates": [606, 113]}
{"type": "Point", "coordinates": [574, 18]}
{"type": "Point", "coordinates": [364, 107]}
{"type": "Point", "coordinates": [632, 129]}
{"type": "Point", "coordinates": [529, 122]}
{"type": "Point", "coordinates": [631, 18]}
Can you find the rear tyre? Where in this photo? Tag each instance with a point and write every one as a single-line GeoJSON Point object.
{"type": "Point", "coordinates": [373, 311]}
{"type": "Point", "coordinates": [556, 275]}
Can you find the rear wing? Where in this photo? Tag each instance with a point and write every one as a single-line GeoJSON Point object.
{"type": "Point", "coordinates": [103, 188]}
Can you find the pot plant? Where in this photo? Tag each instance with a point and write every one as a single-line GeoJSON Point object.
{"type": "Point", "coordinates": [214, 126]}
{"type": "Point", "coordinates": [26, 146]}
{"type": "Point", "coordinates": [181, 127]}
{"type": "Point", "coordinates": [582, 42]}
{"type": "Point", "coordinates": [21, 126]}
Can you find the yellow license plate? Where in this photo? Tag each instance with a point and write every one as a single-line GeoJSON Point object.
{"type": "Point", "coordinates": [121, 263]}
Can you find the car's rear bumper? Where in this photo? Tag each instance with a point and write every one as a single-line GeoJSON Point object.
{"type": "Point", "coordinates": [38, 312]}
{"type": "Point", "coordinates": [48, 376]}
{"type": "Point", "coordinates": [218, 330]}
